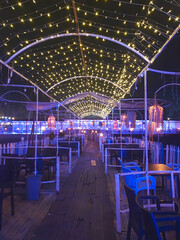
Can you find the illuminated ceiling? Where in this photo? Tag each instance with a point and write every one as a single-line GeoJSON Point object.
{"type": "Point", "coordinates": [73, 47]}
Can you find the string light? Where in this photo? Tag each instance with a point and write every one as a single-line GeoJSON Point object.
{"type": "Point", "coordinates": [141, 25]}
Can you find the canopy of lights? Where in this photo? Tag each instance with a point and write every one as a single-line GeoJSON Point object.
{"type": "Point", "coordinates": [85, 54]}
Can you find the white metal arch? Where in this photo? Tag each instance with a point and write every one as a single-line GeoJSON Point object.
{"type": "Point", "coordinates": [76, 104]}
{"type": "Point", "coordinates": [163, 72]}
{"type": "Point", "coordinates": [83, 76]}
{"type": "Point", "coordinates": [77, 34]}
{"type": "Point", "coordinates": [169, 84]}
{"type": "Point", "coordinates": [14, 91]}
{"type": "Point", "coordinates": [75, 95]}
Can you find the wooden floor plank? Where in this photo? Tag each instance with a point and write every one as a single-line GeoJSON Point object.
{"type": "Point", "coordinates": [27, 215]}
{"type": "Point", "coordinates": [83, 209]}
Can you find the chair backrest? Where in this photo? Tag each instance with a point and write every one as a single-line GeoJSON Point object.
{"type": "Point", "coordinates": [121, 163]}
{"type": "Point", "coordinates": [130, 180]}
{"type": "Point", "coordinates": [6, 176]}
{"type": "Point", "coordinates": [134, 213]}
{"type": "Point", "coordinates": [149, 223]}
{"type": "Point", "coordinates": [49, 152]}
{"type": "Point", "coordinates": [14, 165]}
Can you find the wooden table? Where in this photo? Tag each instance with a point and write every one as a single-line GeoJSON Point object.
{"type": "Point", "coordinates": [163, 167]}
{"type": "Point", "coordinates": [158, 167]}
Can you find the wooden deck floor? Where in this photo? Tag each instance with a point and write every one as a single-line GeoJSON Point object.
{"type": "Point", "coordinates": [27, 215]}
{"type": "Point", "coordinates": [83, 209]}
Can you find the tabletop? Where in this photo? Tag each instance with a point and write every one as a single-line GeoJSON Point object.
{"type": "Point", "coordinates": [158, 167]}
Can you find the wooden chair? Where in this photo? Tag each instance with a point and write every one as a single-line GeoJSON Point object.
{"type": "Point", "coordinates": [6, 183]}
{"type": "Point", "coordinates": [135, 221]}
{"type": "Point", "coordinates": [50, 164]}
{"type": "Point", "coordinates": [15, 164]}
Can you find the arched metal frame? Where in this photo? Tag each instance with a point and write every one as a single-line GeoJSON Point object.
{"type": "Point", "coordinates": [76, 34]}
{"type": "Point", "coordinates": [143, 71]}
{"type": "Point", "coordinates": [91, 101]}
{"type": "Point", "coordinates": [141, 74]}
{"type": "Point", "coordinates": [163, 72]}
{"type": "Point", "coordinates": [169, 84]}
{"type": "Point", "coordinates": [107, 107]}
{"type": "Point", "coordinates": [14, 91]}
{"type": "Point", "coordinates": [83, 76]}
{"type": "Point", "coordinates": [71, 97]}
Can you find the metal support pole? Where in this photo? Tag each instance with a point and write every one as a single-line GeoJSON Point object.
{"type": "Point", "coordinates": [146, 125]}
{"type": "Point", "coordinates": [112, 129]}
{"type": "Point", "coordinates": [172, 185]}
{"type": "Point", "coordinates": [69, 125]}
{"type": "Point", "coordinates": [57, 174]}
{"type": "Point", "coordinates": [57, 144]}
{"type": "Point", "coordinates": [120, 129]}
{"type": "Point", "coordinates": [36, 140]}
{"type": "Point", "coordinates": [57, 155]}
{"type": "Point", "coordinates": [78, 149]}
{"type": "Point", "coordinates": [118, 216]}
{"type": "Point", "coordinates": [102, 153]}
{"type": "Point", "coordinates": [105, 160]}
{"type": "Point", "coordinates": [70, 151]}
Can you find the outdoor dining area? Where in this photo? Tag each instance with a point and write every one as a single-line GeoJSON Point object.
{"type": "Point", "coordinates": [146, 193]}
{"type": "Point", "coordinates": [89, 120]}
{"type": "Point", "coordinates": [25, 179]}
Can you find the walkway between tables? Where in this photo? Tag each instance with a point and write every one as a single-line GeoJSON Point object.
{"type": "Point", "coordinates": [82, 210]}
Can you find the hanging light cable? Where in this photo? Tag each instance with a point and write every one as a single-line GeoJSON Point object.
{"type": "Point", "coordinates": [79, 39]}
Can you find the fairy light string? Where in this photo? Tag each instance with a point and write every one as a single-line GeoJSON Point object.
{"type": "Point", "coordinates": [142, 24]}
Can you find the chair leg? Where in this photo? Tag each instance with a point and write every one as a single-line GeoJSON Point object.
{"type": "Point", "coordinates": [164, 236]}
{"type": "Point", "coordinates": [129, 231]}
{"type": "Point", "coordinates": [12, 201]}
{"type": "Point", "coordinates": [154, 192]}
